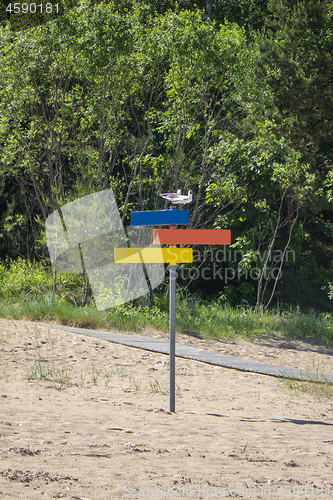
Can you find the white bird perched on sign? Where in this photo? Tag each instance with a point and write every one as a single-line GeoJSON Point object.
{"type": "Point", "coordinates": [177, 198]}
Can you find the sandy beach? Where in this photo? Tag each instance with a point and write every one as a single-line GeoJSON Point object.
{"type": "Point", "coordinates": [97, 426]}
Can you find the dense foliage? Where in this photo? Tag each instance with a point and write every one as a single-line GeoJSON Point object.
{"type": "Point", "coordinates": [233, 100]}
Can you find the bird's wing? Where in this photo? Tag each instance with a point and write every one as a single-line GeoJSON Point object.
{"type": "Point", "coordinates": [169, 196]}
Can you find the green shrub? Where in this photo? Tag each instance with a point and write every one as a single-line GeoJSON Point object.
{"type": "Point", "coordinates": [21, 277]}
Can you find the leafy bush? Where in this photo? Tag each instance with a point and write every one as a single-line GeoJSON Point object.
{"type": "Point", "coordinates": [20, 278]}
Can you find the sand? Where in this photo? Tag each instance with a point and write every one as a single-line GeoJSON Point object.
{"type": "Point", "coordinates": [99, 428]}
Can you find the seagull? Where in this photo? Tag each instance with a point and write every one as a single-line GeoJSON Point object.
{"type": "Point", "coordinates": [178, 197]}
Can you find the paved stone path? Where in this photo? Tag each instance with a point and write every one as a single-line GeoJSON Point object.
{"type": "Point", "coordinates": [182, 351]}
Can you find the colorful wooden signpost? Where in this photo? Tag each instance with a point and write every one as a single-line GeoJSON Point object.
{"type": "Point", "coordinates": [172, 256]}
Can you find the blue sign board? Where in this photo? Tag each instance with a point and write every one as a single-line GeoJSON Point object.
{"type": "Point", "coordinates": [159, 217]}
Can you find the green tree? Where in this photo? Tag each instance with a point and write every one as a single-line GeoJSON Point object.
{"type": "Point", "coordinates": [296, 64]}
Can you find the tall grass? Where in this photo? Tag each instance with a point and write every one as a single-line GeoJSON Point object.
{"type": "Point", "coordinates": [27, 292]}
{"type": "Point", "coordinates": [214, 319]}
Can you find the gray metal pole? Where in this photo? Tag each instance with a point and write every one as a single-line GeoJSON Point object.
{"type": "Point", "coordinates": [172, 313]}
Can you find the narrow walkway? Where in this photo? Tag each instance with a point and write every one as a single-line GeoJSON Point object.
{"type": "Point", "coordinates": [182, 351]}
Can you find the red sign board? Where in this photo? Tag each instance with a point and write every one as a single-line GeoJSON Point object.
{"type": "Point", "coordinates": [192, 237]}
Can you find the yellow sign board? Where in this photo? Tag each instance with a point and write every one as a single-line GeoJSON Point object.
{"type": "Point", "coordinates": [149, 255]}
